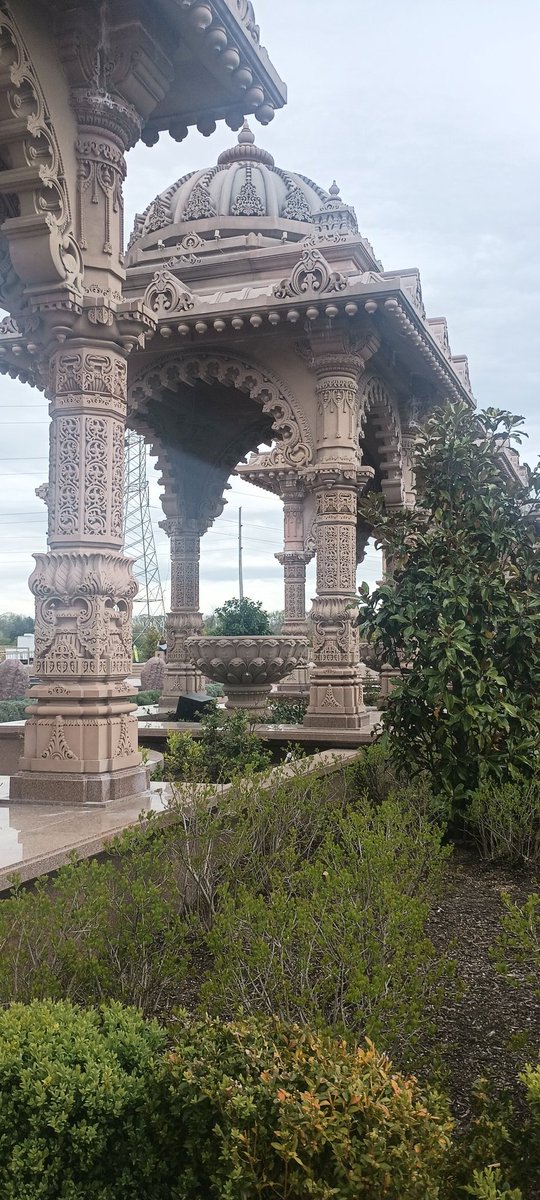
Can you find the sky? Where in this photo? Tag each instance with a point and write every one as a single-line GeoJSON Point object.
{"type": "Point", "coordinates": [427, 114]}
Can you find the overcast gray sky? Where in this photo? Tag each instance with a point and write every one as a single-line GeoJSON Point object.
{"type": "Point", "coordinates": [427, 114]}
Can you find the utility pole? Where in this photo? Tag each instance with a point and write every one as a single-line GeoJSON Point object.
{"type": "Point", "coordinates": [240, 574]}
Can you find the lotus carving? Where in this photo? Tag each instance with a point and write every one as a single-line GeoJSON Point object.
{"type": "Point", "coordinates": [247, 666]}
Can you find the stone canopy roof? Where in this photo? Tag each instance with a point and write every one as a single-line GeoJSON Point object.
{"type": "Point", "coordinates": [244, 183]}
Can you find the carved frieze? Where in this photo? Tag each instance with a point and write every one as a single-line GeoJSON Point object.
{"type": "Point", "coordinates": [102, 170]}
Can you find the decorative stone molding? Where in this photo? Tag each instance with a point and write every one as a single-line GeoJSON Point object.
{"type": "Point", "coordinates": [83, 615]}
{"type": "Point", "coordinates": [102, 170]}
{"type": "Point", "coordinates": [295, 444]}
{"type": "Point", "coordinates": [166, 296]}
{"type": "Point", "coordinates": [86, 473]}
{"type": "Point", "coordinates": [311, 274]}
{"type": "Point", "coordinates": [42, 247]}
{"type": "Point", "coordinates": [384, 422]}
{"type": "Point", "coordinates": [247, 666]}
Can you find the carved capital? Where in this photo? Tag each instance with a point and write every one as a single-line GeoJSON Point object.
{"type": "Point", "coordinates": [83, 615]}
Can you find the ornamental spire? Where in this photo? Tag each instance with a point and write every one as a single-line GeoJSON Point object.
{"type": "Point", "coordinates": [245, 150]}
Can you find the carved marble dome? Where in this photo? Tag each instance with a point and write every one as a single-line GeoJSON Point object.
{"type": "Point", "coordinates": [243, 190]}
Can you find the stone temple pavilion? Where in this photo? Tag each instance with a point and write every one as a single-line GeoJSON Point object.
{"type": "Point", "coordinates": [249, 312]}
{"type": "Point", "coordinates": [277, 325]}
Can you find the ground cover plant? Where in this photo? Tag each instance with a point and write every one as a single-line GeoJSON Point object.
{"type": "Point", "coordinates": [292, 901]}
{"type": "Point", "coordinates": [460, 617]}
{"type": "Point", "coordinates": [328, 902]}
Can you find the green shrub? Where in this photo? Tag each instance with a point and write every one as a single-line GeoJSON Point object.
{"type": "Point", "coordinates": [145, 698]}
{"type": "Point", "coordinates": [458, 618]}
{"type": "Point", "coordinates": [241, 618]}
{"type": "Point", "coordinates": [116, 929]}
{"type": "Point", "coordinates": [287, 712]}
{"type": "Point", "coordinates": [372, 691]}
{"type": "Point", "coordinates": [73, 1090]}
{"type": "Point", "coordinates": [335, 937]}
{"type": "Point", "coordinates": [215, 689]}
{"type": "Point", "coordinates": [226, 749]}
{"type": "Point", "coordinates": [519, 943]}
{"type": "Point", "coordinates": [13, 710]}
{"type": "Point", "coordinates": [265, 1109]}
{"type": "Point", "coordinates": [505, 821]}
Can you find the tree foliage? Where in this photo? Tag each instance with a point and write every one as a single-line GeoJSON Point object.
{"type": "Point", "coordinates": [12, 625]}
{"type": "Point", "coordinates": [238, 618]}
{"type": "Point", "coordinates": [460, 618]}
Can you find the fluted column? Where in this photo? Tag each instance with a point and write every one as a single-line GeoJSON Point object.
{"type": "Point", "coordinates": [336, 477]}
{"type": "Point", "coordinates": [184, 619]}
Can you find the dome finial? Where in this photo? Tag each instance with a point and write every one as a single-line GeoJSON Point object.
{"type": "Point", "coordinates": [334, 190]}
{"type": "Point", "coordinates": [246, 137]}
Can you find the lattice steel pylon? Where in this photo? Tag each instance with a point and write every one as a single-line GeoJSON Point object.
{"type": "Point", "coordinates": [139, 540]}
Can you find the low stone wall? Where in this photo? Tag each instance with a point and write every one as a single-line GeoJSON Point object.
{"type": "Point", "coordinates": [11, 746]}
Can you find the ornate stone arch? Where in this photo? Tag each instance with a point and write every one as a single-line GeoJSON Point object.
{"type": "Point", "coordinates": [381, 414]}
{"type": "Point", "coordinates": [294, 442]}
{"type": "Point", "coordinates": [37, 245]}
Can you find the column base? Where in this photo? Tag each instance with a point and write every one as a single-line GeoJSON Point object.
{"type": "Point", "coordinates": [296, 684]}
{"type": "Point", "coordinates": [178, 681]}
{"type": "Point", "coordinates": [336, 703]}
{"type": "Point", "coordinates": [33, 787]}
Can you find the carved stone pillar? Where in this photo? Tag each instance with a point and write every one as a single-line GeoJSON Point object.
{"type": "Point", "coordinates": [293, 559]}
{"type": "Point", "coordinates": [184, 620]}
{"type": "Point", "coordinates": [336, 692]}
{"type": "Point", "coordinates": [81, 740]}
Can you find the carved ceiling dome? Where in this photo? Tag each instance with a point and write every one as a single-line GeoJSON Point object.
{"type": "Point", "coordinates": [245, 185]}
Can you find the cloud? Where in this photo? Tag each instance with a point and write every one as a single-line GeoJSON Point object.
{"type": "Point", "coordinates": [426, 114]}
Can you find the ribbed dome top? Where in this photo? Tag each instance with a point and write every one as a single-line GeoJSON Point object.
{"type": "Point", "coordinates": [245, 182]}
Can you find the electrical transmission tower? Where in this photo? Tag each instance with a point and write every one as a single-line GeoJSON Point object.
{"type": "Point", "coordinates": [148, 606]}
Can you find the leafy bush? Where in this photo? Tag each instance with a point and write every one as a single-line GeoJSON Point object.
{"type": "Point", "coordinates": [13, 710]}
{"type": "Point", "coordinates": [116, 929]}
{"type": "Point", "coordinates": [460, 617]}
{"type": "Point", "coordinates": [215, 689]}
{"type": "Point", "coordinates": [518, 945]}
{"type": "Point", "coordinates": [178, 914]}
{"type": "Point", "coordinates": [227, 748]}
{"type": "Point", "coordinates": [241, 618]}
{"type": "Point", "coordinates": [265, 1109]}
{"type": "Point", "coordinates": [145, 698]}
{"type": "Point", "coordinates": [372, 691]}
{"type": "Point", "coordinates": [287, 712]}
{"type": "Point", "coordinates": [336, 937]}
{"type": "Point", "coordinates": [73, 1090]}
{"type": "Point", "coordinates": [505, 820]}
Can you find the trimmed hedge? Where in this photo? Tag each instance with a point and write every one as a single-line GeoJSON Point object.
{"type": "Point", "coordinates": [94, 1107]}
{"type": "Point", "coordinates": [73, 1101]}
